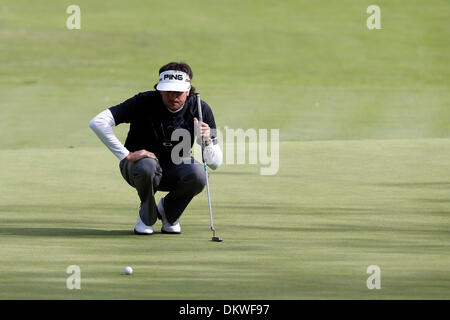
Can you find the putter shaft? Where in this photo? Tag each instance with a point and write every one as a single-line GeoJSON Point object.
{"type": "Point", "coordinates": [200, 116]}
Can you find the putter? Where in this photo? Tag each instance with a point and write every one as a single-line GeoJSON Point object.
{"type": "Point", "coordinates": [200, 116]}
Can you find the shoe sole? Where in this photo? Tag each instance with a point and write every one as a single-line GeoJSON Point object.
{"type": "Point", "coordinates": [142, 233]}
{"type": "Point", "coordinates": [169, 232]}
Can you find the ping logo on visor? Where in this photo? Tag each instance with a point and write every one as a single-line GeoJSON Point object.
{"type": "Point", "coordinates": [173, 76]}
{"type": "Point", "coordinates": [173, 80]}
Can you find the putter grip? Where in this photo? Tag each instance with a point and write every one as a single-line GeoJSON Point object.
{"type": "Point", "coordinates": [199, 106]}
{"type": "Point", "coordinates": [200, 119]}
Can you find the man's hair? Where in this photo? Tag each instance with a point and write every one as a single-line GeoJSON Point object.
{"type": "Point", "coordinates": [178, 66]}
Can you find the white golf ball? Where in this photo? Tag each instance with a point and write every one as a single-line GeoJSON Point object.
{"type": "Point", "coordinates": [128, 270]}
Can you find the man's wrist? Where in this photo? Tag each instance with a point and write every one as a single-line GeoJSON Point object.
{"type": "Point", "coordinates": [128, 157]}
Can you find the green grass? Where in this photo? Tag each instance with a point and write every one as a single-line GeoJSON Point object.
{"type": "Point", "coordinates": [309, 232]}
{"type": "Point", "coordinates": [364, 174]}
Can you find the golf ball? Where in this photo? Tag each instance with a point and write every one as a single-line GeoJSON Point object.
{"type": "Point", "coordinates": [128, 270]}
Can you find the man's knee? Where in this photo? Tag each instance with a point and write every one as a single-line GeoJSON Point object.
{"type": "Point", "coordinates": [147, 167]}
{"type": "Point", "coordinates": [196, 178]}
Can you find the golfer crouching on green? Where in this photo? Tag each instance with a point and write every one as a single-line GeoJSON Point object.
{"type": "Point", "coordinates": [155, 156]}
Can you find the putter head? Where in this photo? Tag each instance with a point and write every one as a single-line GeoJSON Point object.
{"type": "Point", "coordinates": [217, 239]}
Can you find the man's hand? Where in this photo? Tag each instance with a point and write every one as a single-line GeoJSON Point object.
{"type": "Point", "coordinates": [203, 128]}
{"type": "Point", "coordinates": [140, 154]}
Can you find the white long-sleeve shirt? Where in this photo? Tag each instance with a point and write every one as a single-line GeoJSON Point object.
{"type": "Point", "coordinates": [102, 125]}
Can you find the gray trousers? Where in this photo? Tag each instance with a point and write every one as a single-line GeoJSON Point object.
{"type": "Point", "coordinates": [183, 182]}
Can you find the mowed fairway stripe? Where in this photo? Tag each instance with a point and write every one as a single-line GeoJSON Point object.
{"type": "Point", "coordinates": [311, 231]}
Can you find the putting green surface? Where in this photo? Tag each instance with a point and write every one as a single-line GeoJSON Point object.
{"type": "Point", "coordinates": [310, 232]}
{"type": "Point", "coordinates": [364, 172]}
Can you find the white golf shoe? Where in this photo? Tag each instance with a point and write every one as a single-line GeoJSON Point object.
{"type": "Point", "coordinates": [142, 228]}
{"type": "Point", "coordinates": [167, 227]}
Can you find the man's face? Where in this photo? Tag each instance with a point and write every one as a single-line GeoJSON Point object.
{"type": "Point", "coordinates": [174, 100]}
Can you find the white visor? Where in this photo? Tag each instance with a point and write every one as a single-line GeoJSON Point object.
{"type": "Point", "coordinates": [173, 80]}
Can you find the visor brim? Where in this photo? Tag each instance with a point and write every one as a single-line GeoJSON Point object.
{"type": "Point", "coordinates": [171, 86]}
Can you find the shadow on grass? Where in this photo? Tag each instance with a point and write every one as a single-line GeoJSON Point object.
{"type": "Point", "coordinates": [438, 184]}
{"type": "Point", "coordinates": [271, 209]}
{"type": "Point", "coordinates": [45, 208]}
{"type": "Point", "coordinates": [368, 228]}
{"type": "Point", "coordinates": [435, 200]}
{"type": "Point", "coordinates": [63, 232]}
